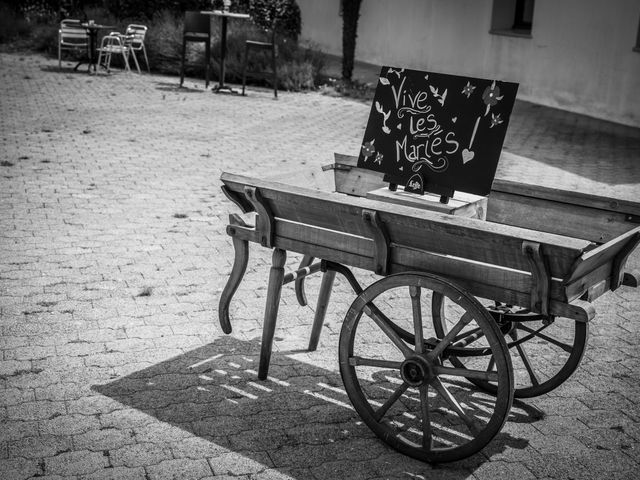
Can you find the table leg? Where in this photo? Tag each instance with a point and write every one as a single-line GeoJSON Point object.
{"type": "Point", "coordinates": [223, 52]}
{"type": "Point", "coordinates": [93, 37]}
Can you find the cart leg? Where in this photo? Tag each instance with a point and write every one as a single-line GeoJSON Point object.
{"type": "Point", "coordinates": [299, 285]}
{"type": "Point", "coordinates": [323, 301]}
{"type": "Point", "coordinates": [241, 249]}
{"type": "Point", "coordinates": [276, 276]}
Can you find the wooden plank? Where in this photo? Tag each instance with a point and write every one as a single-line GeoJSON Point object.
{"type": "Point", "coordinates": [463, 204]}
{"type": "Point", "coordinates": [352, 180]}
{"type": "Point", "coordinates": [317, 179]}
{"type": "Point", "coordinates": [572, 197]}
{"type": "Point", "coordinates": [554, 217]}
{"type": "Point", "coordinates": [327, 239]}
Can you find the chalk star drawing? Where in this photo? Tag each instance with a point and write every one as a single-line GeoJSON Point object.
{"type": "Point", "coordinates": [495, 120]}
{"type": "Point", "coordinates": [385, 116]}
{"type": "Point", "coordinates": [440, 97]}
{"type": "Point", "coordinates": [368, 149]}
{"type": "Point", "coordinates": [491, 96]}
{"type": "Point", "coordinates": [378, 158]}
{"type": "Point", "coordinates": [468, 89]}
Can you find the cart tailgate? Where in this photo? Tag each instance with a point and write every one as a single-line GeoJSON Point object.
{"type": "Point", "coordinates": [602, 268]}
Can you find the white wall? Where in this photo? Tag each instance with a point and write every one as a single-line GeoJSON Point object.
{"type": "Point", "coordinates": [580, 56]}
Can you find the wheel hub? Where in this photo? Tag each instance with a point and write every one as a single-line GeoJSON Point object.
{"type": "Point", "coordinates": [416, 371]}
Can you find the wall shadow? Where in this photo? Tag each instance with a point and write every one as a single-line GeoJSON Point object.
{"type": "Point", "coordinates": [595, 149]}
{"type": "Point", "coordinates": [299, 418]}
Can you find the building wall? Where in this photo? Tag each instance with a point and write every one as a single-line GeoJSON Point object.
{"type": "Point", "coordinates": [580, 57]}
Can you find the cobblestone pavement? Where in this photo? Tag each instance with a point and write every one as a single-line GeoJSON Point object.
{"type": "Point", "coordinates": [113, 253]}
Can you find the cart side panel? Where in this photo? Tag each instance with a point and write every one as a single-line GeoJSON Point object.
{"type": "Point", "coordinates": [430, 231]}
{"type": "Point", "coordinates": [576, 221]}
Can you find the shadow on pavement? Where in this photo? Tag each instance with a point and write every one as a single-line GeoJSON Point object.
{"type": "Point", "coordinates": [601, 151]}
{"type": "Point", "coordinates": [175, 87]}
{"type": "Point", "coordinates": [300, 418]}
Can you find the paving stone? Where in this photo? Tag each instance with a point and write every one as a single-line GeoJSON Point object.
{"type": "Point", "coordinates": [19, 468]}
{"type": "Point", "coordinates": [179, 469]}
{"type": "Point", "coordinates": [139, 454]}
{"type": "Point", "coordinates": [75, 463]}
{"type": "Point", "coordinates": [117, 473]}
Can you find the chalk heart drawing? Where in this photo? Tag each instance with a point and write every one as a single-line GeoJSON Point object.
{"type": "Point", "coordinates": [454, 119]}
{"type": "Point", "coordinates": [399, 126]}
{"type": "Point", "coordinates": [467, 155]}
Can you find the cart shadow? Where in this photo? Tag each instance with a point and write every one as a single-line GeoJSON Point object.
{"type": "Point", "coordinates": [298, 419]}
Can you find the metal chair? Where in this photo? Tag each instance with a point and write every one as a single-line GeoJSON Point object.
{"type": "Point", "coordinates": [71, 36]}
{"type": "Point", "coordinates": [197, 28]}
{"type": "Point", "coordinates": [118, 44]}
{"type": "Point", "coordinates": [138, 33]}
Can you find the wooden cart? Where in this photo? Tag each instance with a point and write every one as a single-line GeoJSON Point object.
{"type": "Point", "coordinates": [426, 360]}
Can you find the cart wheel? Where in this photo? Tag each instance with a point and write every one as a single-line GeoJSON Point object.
{"type": "Point", "coordinates": [544, 352]}
{"type": "Point", "coordinates": [391, 363]}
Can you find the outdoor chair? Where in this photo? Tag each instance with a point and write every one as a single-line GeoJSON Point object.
{"type": "Point", "coordinates": [197, 28]}
{"type": "Point", "coordinates": [138, 33]}
{"type": "Point", "coordinates": [118, 44]}
{"type": "Point", "coordinates": [269, 45]}
{"type": "Point", "coordinates": [71, 36]}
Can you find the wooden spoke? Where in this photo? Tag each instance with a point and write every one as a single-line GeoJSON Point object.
{"type": "Point", "coordinates": [373, 362]}
{"type": "Point", "coordinates": [414, 292]}
{"type": "Point", "coordinates": [492, 363]}
{"type": "Point", "coordinates": [453, 403]}
{"type": "Point", "coordinates": [527, 364]}
{"type": "Point", "coordinates": [564, 346]}
{"type": "Point", "coordinates": [489, 376]}
{"type": "Point", "coordinates": [378, 414]}
{"type": "Point", "coordinates": [448, 338]}
{"type": "Point", "coordinates": [375, 315]}
{"type": "Point", "coordinates": [427, 440]}
{"type": "Point", "coordinates": [468, 338]}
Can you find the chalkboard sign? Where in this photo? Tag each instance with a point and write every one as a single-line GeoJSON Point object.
{"type": "Point", "coordinates": [437, 132]}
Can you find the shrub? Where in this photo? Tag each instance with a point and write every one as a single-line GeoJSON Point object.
{"type": "Point", "coordinates": [147, 9]}
{"type": "Point", "coordinates": [284, 14]}
{"type": "Point", "coordinates": [298, 67]}
{"type": "Point", "coordinates": [164, 42]}
{"type": "Point", "coordinates": [12, 24]}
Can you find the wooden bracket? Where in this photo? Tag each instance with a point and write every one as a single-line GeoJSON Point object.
{"type": "Point", "coordinates": [540, 277]}
{"type": "Point", "coordinates": [618, 273]}
{"type": "Point", "coordinates": [380, 241]}
{"type": "Point", "coordinates": [238, 199]}
{"type": "Point", "coordinates": [265, 223]}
